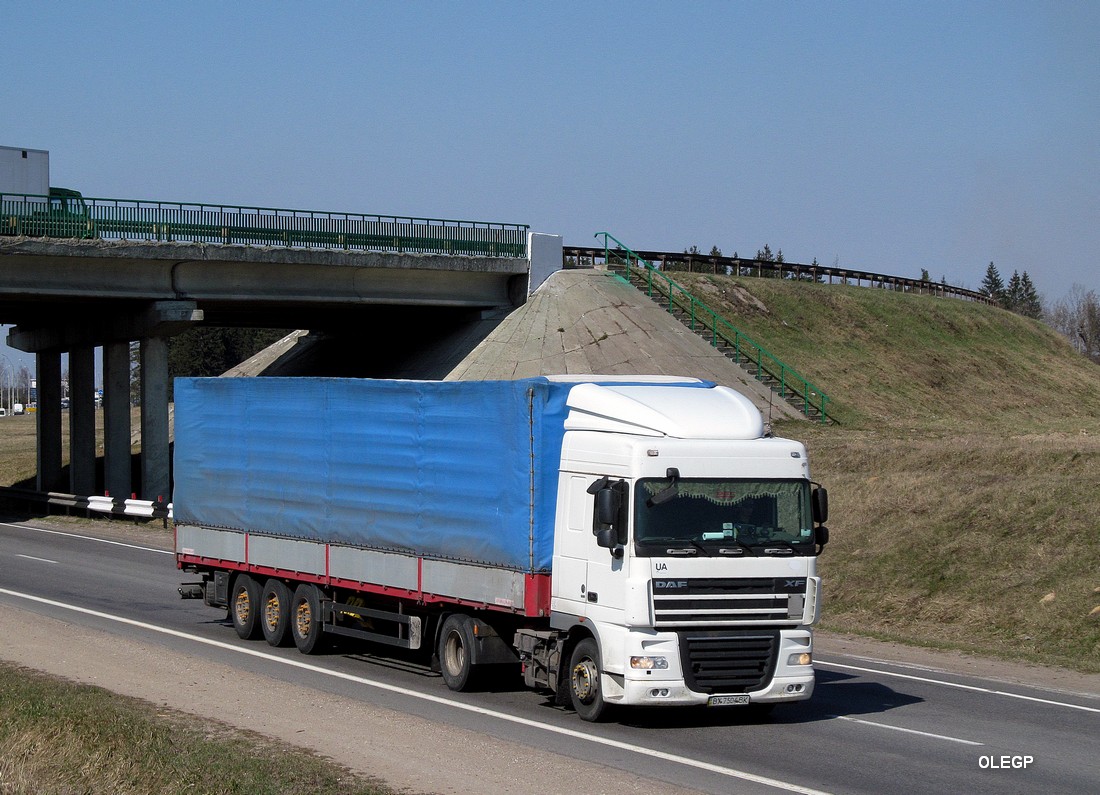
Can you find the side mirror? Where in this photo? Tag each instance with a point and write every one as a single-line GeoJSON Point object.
{"type": "Point", "coordinates": [821, 535]}
{"type": "Point", "coordinates": [609, 518]}
{"type": "Point", "coordinates": [608, 539]}
{"type": "Point", "coordinates": [608, 503]}
{"type": "Point", "coordinates": [819, 501]}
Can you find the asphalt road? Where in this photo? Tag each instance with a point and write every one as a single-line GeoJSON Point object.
{"type": "Point", "coordinates": [872, 726]}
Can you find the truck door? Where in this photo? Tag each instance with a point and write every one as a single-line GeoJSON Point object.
{"type": "Point", "coordinates": [570, 580]}
{"type": "Point", "coordinates": [588, 579]}
{"type": "Point", "coordinates": [606, 585]}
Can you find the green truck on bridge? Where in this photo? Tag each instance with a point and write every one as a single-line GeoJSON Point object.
{"type": "Point", "coordinates": [30, 206]}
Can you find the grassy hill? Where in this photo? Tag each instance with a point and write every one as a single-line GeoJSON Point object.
{"type": "Point", "coordinates": [963, 472]}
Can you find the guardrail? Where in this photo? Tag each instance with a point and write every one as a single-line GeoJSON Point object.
{"type": "Point", "coordinates": [787, 381]}
{"type": "Point", "coordinates": [671, 261]}
{"type": "Point", "coordinates": [104, 506]}
{"type": "Point", "coordinates": [135, 219]}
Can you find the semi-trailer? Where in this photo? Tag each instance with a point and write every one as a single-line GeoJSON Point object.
{"type": "Point", "coordinates": [617, 540]}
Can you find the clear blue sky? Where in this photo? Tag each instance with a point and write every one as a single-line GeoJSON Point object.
{"type": "Point", "coordinates": [882, 135]}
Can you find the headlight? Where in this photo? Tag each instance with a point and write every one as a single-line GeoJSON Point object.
{"type": "Point", "coordinates": [648, 663]}
{"type": "Point", "coordinates": [801, 658]}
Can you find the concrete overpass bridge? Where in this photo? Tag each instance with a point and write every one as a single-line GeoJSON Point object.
{"type": "Point", "coordinates": [384, 296]}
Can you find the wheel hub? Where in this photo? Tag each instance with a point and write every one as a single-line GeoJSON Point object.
{"type": "Point", "coordinates": [584, 681]}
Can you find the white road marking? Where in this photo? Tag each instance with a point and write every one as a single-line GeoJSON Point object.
{"type": "Point", "coordinates": [86, 538]}
{"type": "Point", "coordinates": [32, 557]}
{"type": "Point", "coordinates": [945, 683]}
{"type": "Point", "coordinates": [907, 731]}
{"type": "Point", "coordinates": [579, 735]}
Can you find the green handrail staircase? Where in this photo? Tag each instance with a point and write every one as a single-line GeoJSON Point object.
{"type": "Point", "coordinates": [718, 331]}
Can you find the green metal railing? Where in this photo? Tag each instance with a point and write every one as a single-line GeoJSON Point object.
{"type": "Point", "coordinates": [722, 334]}
{"type": "Point", "coordinates": [72, 216]}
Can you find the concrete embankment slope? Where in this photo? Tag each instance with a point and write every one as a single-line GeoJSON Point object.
{"type": "Point", "coordinates": [582, 322]}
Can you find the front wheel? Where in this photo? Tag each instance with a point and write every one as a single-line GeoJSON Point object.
{"type": "Point", "coordinates": [585, 689]}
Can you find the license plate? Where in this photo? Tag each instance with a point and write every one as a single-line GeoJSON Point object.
{"type": "Point", "coordinates": [725, 701]}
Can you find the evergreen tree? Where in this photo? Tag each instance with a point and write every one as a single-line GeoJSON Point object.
{"type": "Point", "coordinates": [1012, 296]}
{"type": "Point", "coordinates": [992, 285]}
{"type": "Point", "coordinates": [1030, 304]}
{"type": "Point", "coordinates": [765, 255]}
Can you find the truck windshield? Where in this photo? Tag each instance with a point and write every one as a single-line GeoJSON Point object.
{"type": "Point", "coordinates": [723, 517]}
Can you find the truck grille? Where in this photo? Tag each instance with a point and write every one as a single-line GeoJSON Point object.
{"type": "Point", "coordinates": [727, 602]}
{"type": "Point", "coordinates": [728, 662]}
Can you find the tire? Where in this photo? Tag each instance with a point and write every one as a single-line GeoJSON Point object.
{"type": "Point", "coordinates": [456, 640]}
{"type": "Point", "coordinates": [244, 607]}
{"type": "Point", "coordinates": [306, 624]}
{"type": "Point", "coordinates": [275, 613]}
{"type": "Point", "coordinates": [585, 689]}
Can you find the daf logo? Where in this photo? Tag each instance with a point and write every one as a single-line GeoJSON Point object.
{"type": "Point", "coordinates": [670, 584]}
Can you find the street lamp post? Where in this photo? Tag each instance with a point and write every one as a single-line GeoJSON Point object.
{"type": "Point", "coordinates": [11, 384]}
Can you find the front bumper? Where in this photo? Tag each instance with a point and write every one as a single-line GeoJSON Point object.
{"type": "Point", "coordinates": [787, 682]}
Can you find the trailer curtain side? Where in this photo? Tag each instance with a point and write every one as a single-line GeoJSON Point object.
{"type": "Point", "coordinates": [462, 471]}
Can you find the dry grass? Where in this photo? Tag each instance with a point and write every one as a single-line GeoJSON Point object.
{"type": "Point", "coordinates": [913, 362]}
{"type": "Point", "coordinates": [976, 542]}
{"type": "Point", "coordinates": [17, 448]}
{"type": "Point", "coordinates": [58, 738]}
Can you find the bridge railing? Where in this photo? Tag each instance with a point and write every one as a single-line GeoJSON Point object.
{"type": "Point", "coordinates": [72, 216]}
{"type": "Point", "coordinates": [765, 367]}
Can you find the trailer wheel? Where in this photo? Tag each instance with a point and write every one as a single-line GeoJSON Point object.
{"type": "Point", "coordinates": [456, 641]}
{"type": "Point", "coordinates": [584, 681]}
{"type": "Point", "coordinates": [244, 607]}
{"type": "Point", "coordinates": [275, 613]}
{"type": "Point", "coordinates": [306, 626]}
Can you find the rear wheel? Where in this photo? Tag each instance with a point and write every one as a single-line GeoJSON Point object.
{"type": "Point", "coordinates": [244, 607]}
{"type": "Point", "coordinates": [305, 619]}
{"type": "Point", "coordinates": [585, 689]}
{"type": "Point", "coordinates": [275, 613]}
{"type": "Point", "coordinates": [456, 641]}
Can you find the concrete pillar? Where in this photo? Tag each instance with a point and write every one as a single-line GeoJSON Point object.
{"type": "Point", "coordinates": [116, 419]}
{"type": "Point", "coordinates": [48, 421]}
{"type": "Point", "coordinates": [82, 421]}
{"type": "Point", "coordinates": [545, 257]}
{"type": "Point", "coordinates": [154, 419]}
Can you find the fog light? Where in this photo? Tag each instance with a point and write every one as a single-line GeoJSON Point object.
{"type": "Point", "coordinates": [801, 658]}
{"type": "Point", "coordinates": [648, 663]}
{"type": "Point", "coordinates": [659, 692]}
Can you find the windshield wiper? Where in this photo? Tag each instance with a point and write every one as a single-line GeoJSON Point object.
{"type": "Point", "coordinates": [695, 545]}
{"type": "Point", "coordinates": [741, 547]}
{"type": "Point", "coordinates": [787, 549]}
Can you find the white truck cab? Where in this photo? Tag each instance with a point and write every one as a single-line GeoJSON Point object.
{"type": "Point", "coordinates": [686, 548]}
